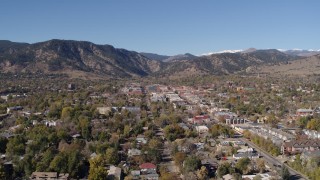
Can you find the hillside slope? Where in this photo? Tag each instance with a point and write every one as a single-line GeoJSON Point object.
{"type": "Point", "coordinates": [86, 59]}
{"type": "Point", "coordinates": [224, 63]}
{"type": "Point", "coordinates": [72, 57]}
{"type": "Point", "coordinates": [300, 67]}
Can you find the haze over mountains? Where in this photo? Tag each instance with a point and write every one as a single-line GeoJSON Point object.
{"type": "Point", "coordinates": [86, 59]}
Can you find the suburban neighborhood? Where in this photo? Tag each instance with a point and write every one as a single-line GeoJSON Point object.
{"type": "Point", "coordinates": [155, 131]}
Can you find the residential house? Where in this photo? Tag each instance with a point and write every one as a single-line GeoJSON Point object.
{"type": "Point", "coordinates": [51, 123]}
{"type": "Point", "coordinates": [76, 136]}
{"type": "Point", "coordinates": [264, 176]}
{"type": "Point", "coordinates": [309, 155]}
{"type": "Point", "coordinates": [299, 146]}
{"type": "Point", "coordinates": [239, 143]}
{"type": "Point", "coordinates": [248, 154]}
{"type": "Point", "coordinates": [184, 126]}
{"type": "Point", "coordinates": [134, 152]}
{"type": "Point", "coordinates": [7, 135]}
{"type": "Point", "coordinates": [156, 97]}
{"type": "Point", "coordinates": [141, 139]}
{"type": "Point", "coordinates": [201, 119]}
{"type": "Point", "coordinates": [93, 155]}
{"type": "Point", "coordinates": [225, 143]}
{"type": "Point", "coordinates": [114, 173]}
{"type": "Point", "coordinates": [200, 146]}
{"type": "Point", "coordinates": [71, 87]}
{"type": "Point", "coordinates": [173, 97]}
{"type": "Point", "coordinates": [104, 110]}
{"type": "Point", "coordinates": [228, 177]}
{"type": "Point", "coordinates": [148, 171]}
{"type": "Point", "coordinates": [304, 112]}
{"type": "Point", "coordinates": [14, 128]}
{"type": "Point", "coordinates": [14, 108]}
{"type": "Point", "coordinates": [135, 174]}
{"type": "Point", "coordinates": [312, 134]}
{"type": "Point", "coordinates": [210, 164]}
{"type": "Point", "coordinates": [202, 129]}
{"type": "Point", "coordinates": [49, 176]}
{"type": "Point", "coordinates": [177, 104]}
{"type": "Point", "coordinates": [147, 167]}
{"type": "Point", "coordinates": [132, 109]}
{"type": "Point", "coordinates": [240, 128]}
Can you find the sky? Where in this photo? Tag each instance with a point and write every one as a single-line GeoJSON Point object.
{"type": "Point", "coordinates": [166, 27]}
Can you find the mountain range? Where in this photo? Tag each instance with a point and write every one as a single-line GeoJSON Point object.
{"type": "Point", "coordinates": [75, 58]}
{"type": "Point", "coordinates": [301, 52]}
{"type": "Point", "coordinates": [86, 59]}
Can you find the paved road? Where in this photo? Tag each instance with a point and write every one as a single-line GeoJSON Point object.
{"type": "Point", "coordinates": [272, 160]}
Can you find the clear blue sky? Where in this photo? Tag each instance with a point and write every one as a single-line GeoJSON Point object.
{"type": "Point", "coordinates": [166, 26]}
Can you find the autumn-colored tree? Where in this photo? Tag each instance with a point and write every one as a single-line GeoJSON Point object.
{"type": "Point", "coordinates": [66, 113]}
{"type": "Point", "coordinates": [84, 126]}
{"type": "Point", "coordinates": [126, 131]}
{"type": "Point", "coordinates": [261, 165]}
{"type": "Point", "coordinates": [97, 170]}
{"type": "Point", "coordinates": [202, 173]}
{"type": "Point", "coordinates": [179, 157]}
{"type": "Point", "coordinates": [313, 124]}
{"type": "Point", "coordinates": [111, 156]}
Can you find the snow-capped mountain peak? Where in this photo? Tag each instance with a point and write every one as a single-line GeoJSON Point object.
{"type": "Point", "coordinates": [223, 51]}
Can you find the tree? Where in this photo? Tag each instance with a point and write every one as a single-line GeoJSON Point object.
{"type": "Point", "coordinates": [168, 176]}
{"type": "Point", "coordinates": [16, 146]}
{"type": "Point", "coordinates": [154, 144]}
{"type": "Point", "coordinates": [285, 173]}
{"type": "Point", "coordinates": [173, 132]}
{"type": "Point", "coordinates": [303, 121]}
{"type": "Point", "coordinates": [126, 131]}
{"type": "Point", "coordinates": [165, 175]}
{"type": "Point", "coordinates": [47, 157]}
{"type": "Point", "coordinates": [55, 110]}
{"type": "Point", "coordinates": [224, 169]}
{"type": "Point", "coordinates": [67, 113]}
{"type": "Point", "coordinates": [111, 156]}
{"type": "Point", "coordinates": [97, 170]}
{"type": "Point", "coordinates": [261, 165]}
{"type": "Point", "coordinates": [29, 164]}
{"type": "Point", "coordinates": [59, 163]}
{"type": "Point", "coordinates": [192, 163]}
{"type": "Point", "coordinates": [243, 165]}
{"type": "Point", "coordinates": [272, 120]}
{"type": "Point", "coordinates": [179, 157]}
{"type": "Point", "coordinates": [2, 172]}
{"type": "Point", "coordinates": [202, 173]}
{"type": "Point", "coordinates": [246, 134]}
{"type": "Point", "coordinates": [84, 126]}
{"type": "Point", "coordinates": [237, 176]}
{"type": "Point", "coordinates": [74, 163]}
{"type": "Point", "coordinates": [3, 144]}
{"type": "Point", "coordinates": [313, 124]}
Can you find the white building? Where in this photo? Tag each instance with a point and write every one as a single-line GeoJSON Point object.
{"type": "Point", "coordinates": [202, 129]}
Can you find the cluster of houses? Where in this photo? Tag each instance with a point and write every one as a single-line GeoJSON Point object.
{"type": "Point", "coordinates": [133, 89]}
{"type": "Point", "coordinates": [312, 134]}
{"type": "Point", "coordinates": [277, 136]}
{"type": "Point", "coordinates": [299, 146]}
{"type": "Point", "coordinates": [192, 99]}
{"type": "Point", "coordinates": [246, 153]}
{"type": "Point", "coordinates": [49, 175]}
{"type": "Point", "coordinates": [13, 96]}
